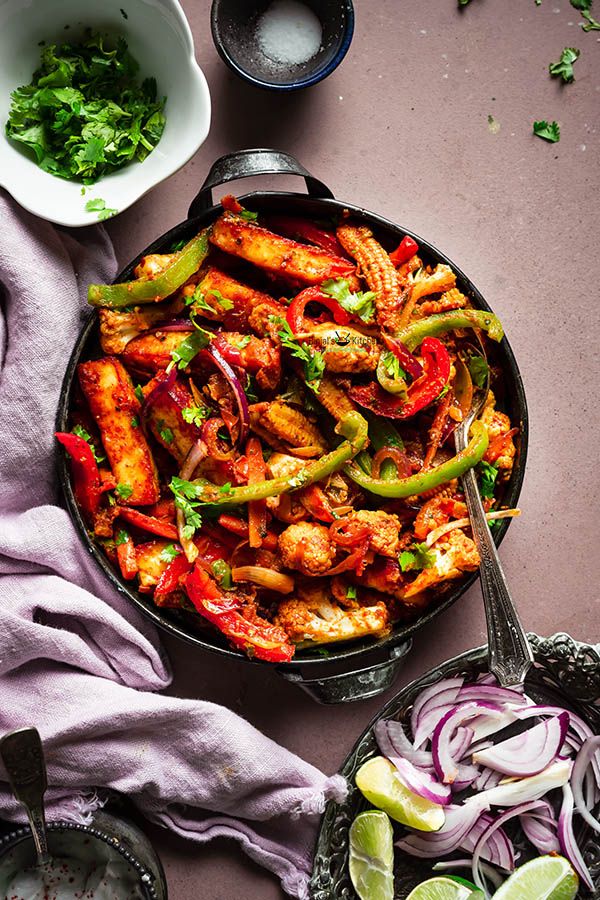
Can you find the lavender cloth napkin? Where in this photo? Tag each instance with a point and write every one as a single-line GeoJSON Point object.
{"type": "Point", "coordinates": [76, 659]}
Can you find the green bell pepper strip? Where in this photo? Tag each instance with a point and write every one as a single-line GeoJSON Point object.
{"type": "Point", "coordinates": [151, 290]}
{"type": "Point", "coordinates": [353, 427]}
{"type": "Point", "coordinates": [425, 481]}
{"type": "Point", "coordinates": [441, 323]}
{"type": "Point", "coordinates": [383, 434]}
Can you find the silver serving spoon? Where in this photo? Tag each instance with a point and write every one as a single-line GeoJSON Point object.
{"type": "Point", "coordinates": [23, 758]}
{"type": "Point", "coordinates": [509, 652]}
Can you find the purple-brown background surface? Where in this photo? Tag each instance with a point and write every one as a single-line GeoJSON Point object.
{"type": "Point", "coordinates": [402, 128]}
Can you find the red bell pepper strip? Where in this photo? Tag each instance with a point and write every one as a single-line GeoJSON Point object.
{"type": "Point", "coordinates": [436, 364]}
{"type": "Point", "coordinates": [405, 250]}
{"type": "Point", "coordinates": [257, 509]}
{"type": "Point", "coordinates": [211, 547]}
{"type": "Point", "coordinates": [303, 230]}
{"type": "Point", "coordinates": [314, 500]}
{"type": "Point", "coordinates": [258, 638]}
{"type": "Point", "coordinates": [86, 477]}
{"type": "Point", "coordinates": [407, 360]}
{"type": "Point", "coordinates": [170, 580]}
{"type": "Point", "coordinates": [149, 523]}
{"type": "Point", "coordinates": [295, 312]}
{"type": "Point", "coordinates": [126, 556]}
{"type": "Point", "coordinates": [239, 527]}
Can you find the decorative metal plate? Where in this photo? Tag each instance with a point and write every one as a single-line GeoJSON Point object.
{"type": "Point", "coordinates": [565, 672]}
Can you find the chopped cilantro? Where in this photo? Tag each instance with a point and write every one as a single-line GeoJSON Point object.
{"type": "Point", "coordinates": [225, 489]}
{"type": "Point", "coordinates": [487, 480]}
{"type": "Point", "coordinates": [201, 304]}
{"type": "Point", "coordinates": [169, 553]}
{"type": "Point", "coordinates": [242, 342]}
{"type": "Point", "coordinates": [223, 302]}
{"type": "Point", "coordinates": [420, 556]}
{"type": "Point", "coordinates": [591, 23]}
{"type": "Point", "coordinates": [99, 206]}
{"type": "Point", "coordinates": [443, 392]}
{"type": "Point", "coordinates": [248, 215]}
{"type": "Point", "coordinates": [351, 592]}
{"type": "Point", "coordinates": [322, 651]}
{"type": "Point", "coordinates": [392, 367]}
{"type": "Point", "coordinates": [139, 393]}
{"type": "Point", "coordinates": [547, 131]}
{"type": "Point", "coordinates": [250, 389]}
{"type": "Point", "coordinates": [84, 114]}
{"type": "Point", "coordinates": [186, 493]}
{"type": "Point", "coordinates": [135, 421]}
{"type": "Point", "coordinates": [478, 369]}
{"type": "Point", "coordinates": [360, 304]}
{"type": "Point", "coordinates": [195, 415]}
{"type": "Point", "coordinates": [124, 490]}
{"type": "Point", "coordinates": [178, 245]}
{"type": "Point", "coordinates": [166, 435]}
{"type": "Point", "coordinates": [564, 67]}
{"type": "Point", "coordinates": [82, 433]}
{"type": "Point", "coordinates": [222, 573]}
{"type": "Point", "coordinates": [121, 538]}
{"type": "Point", "coordinates": [312, 360]}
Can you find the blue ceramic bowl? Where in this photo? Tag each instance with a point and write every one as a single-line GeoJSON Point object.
{"type": "Point", "coordinates": [234, 34]}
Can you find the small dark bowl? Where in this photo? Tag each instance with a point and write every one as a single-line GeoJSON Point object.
{"type": "Point", "coordinates": [234, 34]}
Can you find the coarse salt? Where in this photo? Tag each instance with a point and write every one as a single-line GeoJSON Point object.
{"type": "Point", "coordinates": [289, 33]}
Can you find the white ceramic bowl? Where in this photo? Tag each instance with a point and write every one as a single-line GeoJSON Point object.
{"type": "Point", "coordinates": [160, 39]}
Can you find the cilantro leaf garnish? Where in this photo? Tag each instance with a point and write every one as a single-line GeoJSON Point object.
{"type": "Point", "coordinates": [121, 538]}
{"type": "Point", "coordinates": [591, 23]}
{"type": "Point", "coordinates": [186, 494]}
{"type": "Point", "coordinates": [248, 215]}
{"type": "Point", "coordinates": [166, 435]}
{"type": "Point", "coordinates": [182, 355]}
{"type": "Point", "coordinates": [312, 360]}
{"type": "Point", "coordinates": [487, 479]}
{"type": "Point", "coordinates": [85, 114]}
{"type": "Point", "coordinates": [198, 299]}
{"type": "Point", "coordinates": [139, 393]}
{"type": "Point", "coordinates": [478, 370]}
{"type": "Point", "coordinates": [392, 367]}
{"type": "Point", "coordinates": [99, 206]}
{"type": "Point", "coordinates": [548, 131]}
{"type": "Point", "coordinates": [420, 556]}
{"type": "Point", "coordinates": [360, 304]}
{"type": "Point", "coordinates": [351, 592]}
{"type": "Point", "coordinates": [82, 433]}
{"type": "Point", "coordinates": [564, 67]}
{"type": "Point", "coordinates": [124, 490]}
{"type": "Point", "coordinates": [169, 553]}
{"type": "Point", "coordinates": [178, 245]}
{"type": "Point", "coordinates": [195, 415]}
{"type": "Point", "coordinates": [225, 489]}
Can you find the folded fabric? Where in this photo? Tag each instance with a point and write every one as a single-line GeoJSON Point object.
{"type": "Point", "coordinates": [77, 660]}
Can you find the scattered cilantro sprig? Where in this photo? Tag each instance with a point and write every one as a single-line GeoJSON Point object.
{"type": "Point", "coordinates": [124, 490]}
{"type": "Point", "coordinates": [82, 433]}
{"type": "Point", "coordinates": [360, 304]}
{"type": "Point", "coordinates": [169, 553]}
{"type": "Point", "coordinates": [186, 495]}
{"type": "Point", "coordinates": [85, 114]}
{"type": "Point", "coordinates": [564, 67]}
{"type": "Point", "coordinates": [420, 556]}
{"type": "Point", "coordinates": [198, 299]}
{"type": "Point", "coordinates": [195, 415]}
{"type": "Point", "coordinates": [98, 205]}
{"type": "Point", "coordinates": [547, 131]}
{"type": "Point", "coordinates": [487, 479]}
{"type": "Point", "coordinates": [312, 360]}
{"type": "Point", "coordinates": [478, 370]}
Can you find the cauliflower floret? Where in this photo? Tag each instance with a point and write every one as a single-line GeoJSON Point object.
{"type": "Point", "coordinates": [498, 424]}
{"type": "Point", "coordinates": [312, 616]}
{"type": "Point", "coordinates": [282, 465]}
{"type": "Point", "coordinates": [307, 547]}
{"type": "Point", "coordinates": [455, 553]}
{"type": "Point", "coordinates": [385, 530]}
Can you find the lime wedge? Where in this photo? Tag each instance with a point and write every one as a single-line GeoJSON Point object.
{"type": "Point", "coordinates": [378, 782]}
{"type": "Point", "coordinates": [543, 878]}
{"type": "Point", "coordinates": [372, 856]}
{"type": "Point", "coordinates": [445, 888]}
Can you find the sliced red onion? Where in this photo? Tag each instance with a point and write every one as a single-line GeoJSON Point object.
{"type": "Point", "coordinates": [236, 387]}
{"type": "Point", "coordinates": [488, 778]}
{"type": "Point", "coordinates": [577, 727]}
{"type": "Point", "coordinates": [459, 821]}
{"type": "Point", "coordinates": [486, 725]}
{"type": "Point", "coordinates": [465, 777]}
{"type": "Point", "coordinates": [175, 325]}
{"type": "Point", "coordinates": [498, 849]}
{"type": "Point", "coordinates": [420, 782]}
{"type": "Point", "coordinates": [568, 844]}
{"type": "Point", "coordinates": [581, 767]}
{"type": "Point", "coordinates": [523, 790]}
{"type": "Point", "coordinates": [461, 742]}
{"type": "Point", "coordinates": [164, 383]}
{"type": "Point", "coordinates": [392, 733]}
{"type": "Point", "coordinates": [488, 871]}
{"type": "Point", "coordinates": [444, 762]}
{"type": "Point", "coordinates": [425, 712]}
{"type": "Point", "coordinates": [491, 830]}
{"type": "Point", "coordinates": [541, 831]}
{"type": "Point", "coordinates": [527, 753]}
{"type": "Point", "coordinates": [497, 695]}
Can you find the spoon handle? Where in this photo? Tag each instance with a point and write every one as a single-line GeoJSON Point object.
{"type": "Point", "coordinates": [509, 652]}
{"type": "Point", "coordinates": [23, 758]}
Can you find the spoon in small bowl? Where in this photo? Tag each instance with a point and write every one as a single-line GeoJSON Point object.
{"type": "Point", "coordinates": [23, 757]}
{"type": "Point", "coordinates": [509, 653]}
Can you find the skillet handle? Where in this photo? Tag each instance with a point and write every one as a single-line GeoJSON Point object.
{"type": "Point", "coordinates": [358, 684]}
{"type": "Point", "coordinates": [244, 163]}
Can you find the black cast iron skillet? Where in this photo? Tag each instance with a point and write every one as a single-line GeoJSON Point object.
{"type": "Point", "coordinates": [354, 670]}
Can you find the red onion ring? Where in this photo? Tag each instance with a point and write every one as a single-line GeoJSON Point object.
{"type": "Point", "coordinates": [527, 753]}
{"type": "Point", "coordinates": [236, 387]}
{"type": "Point", "coordinates": [566, 838]}
{"type": "Point", "coordinates": [174, 325]}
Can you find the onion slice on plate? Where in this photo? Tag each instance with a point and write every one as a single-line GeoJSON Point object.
{"type": "Point", "coordinates": [390, 735]}
{"type": "Point", "coordinates": [444, 762]}
{"type": "Point", "coordinates": [580, 768]}
{"type": "Point", "coordinates": [568, 844]}
{"type": "Point", "coordinates": [522, 790]}
{"type": "Point", "coordinates": [527, 753]}
{"type": "Point", "coordinates": [425, 713]}
{"type": "Point", "coordinates": [267, 578]}
{"type": "Point", "coordinates": [459, 822]}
